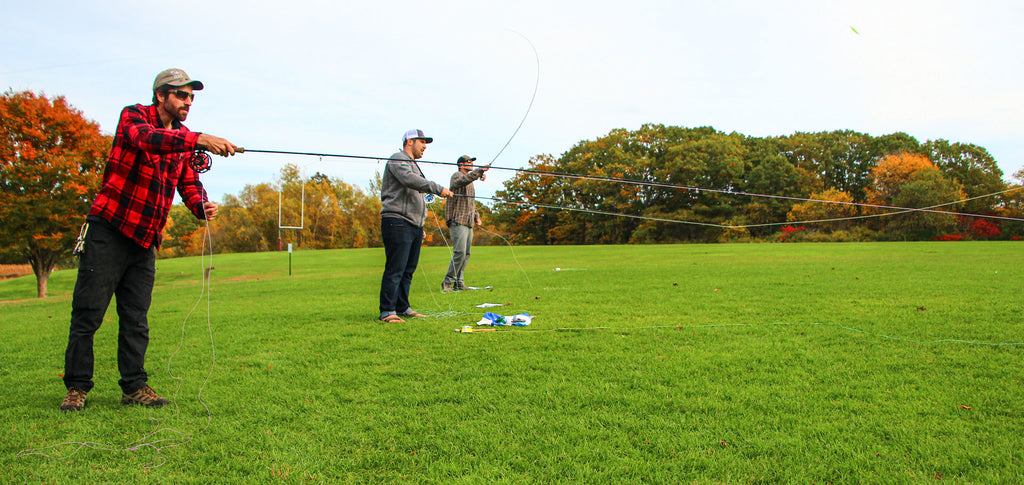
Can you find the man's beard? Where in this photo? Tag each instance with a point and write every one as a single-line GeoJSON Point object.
{"type": "Point", "coordinates": [179, 113]}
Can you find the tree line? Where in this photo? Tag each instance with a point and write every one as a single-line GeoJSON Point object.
{"type": "Point", "coordinates": [851, 169]}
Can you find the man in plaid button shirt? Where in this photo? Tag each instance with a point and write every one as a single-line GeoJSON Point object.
{"type": "Point", "coordinates": [461, 216]}
{"type": "Point", "coordinates": [148, 162]}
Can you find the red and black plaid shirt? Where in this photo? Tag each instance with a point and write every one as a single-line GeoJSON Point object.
{"type": "Point", "coordinates": [146, 164]}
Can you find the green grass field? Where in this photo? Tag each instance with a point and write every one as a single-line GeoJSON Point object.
{"type": "Point", "coordinates": [809, 363]}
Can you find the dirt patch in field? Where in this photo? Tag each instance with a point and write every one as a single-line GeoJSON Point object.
{"type": "Point", "coordinates": [249, 277]}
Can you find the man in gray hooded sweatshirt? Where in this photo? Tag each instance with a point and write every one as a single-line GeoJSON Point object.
{"type": "Point", "coordinates": [402, 213]}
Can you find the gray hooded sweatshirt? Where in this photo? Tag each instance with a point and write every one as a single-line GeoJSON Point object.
{"type": "Point", "coordinates": [402, 189]}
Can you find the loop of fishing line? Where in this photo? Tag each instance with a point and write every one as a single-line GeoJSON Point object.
{"type": "Point", "coordinates": [180, 438]}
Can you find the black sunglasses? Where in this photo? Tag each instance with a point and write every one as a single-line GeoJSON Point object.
{"type": "Point", "coordinates": [183, 95]}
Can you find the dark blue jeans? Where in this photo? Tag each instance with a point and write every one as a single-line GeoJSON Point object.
{"type": "Point", "coordinates": [402, 241]}
{"type": "Point", "coordinates": [112, 265]}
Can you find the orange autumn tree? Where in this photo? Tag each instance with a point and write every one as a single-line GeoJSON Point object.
{"type": "Point", "coordinates": [892, 172]}
{"type": "Point", "coordinates": [51, 166]}
{"type": "Point", "coordinates": [911, 180]}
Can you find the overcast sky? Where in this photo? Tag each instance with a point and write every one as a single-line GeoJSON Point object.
{"type": "Point", "coordinates": [350, 77]}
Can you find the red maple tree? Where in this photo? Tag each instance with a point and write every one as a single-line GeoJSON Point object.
{"type": "Point", "coordinates": [51, 166]}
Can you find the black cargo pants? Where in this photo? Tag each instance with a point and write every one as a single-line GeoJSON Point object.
{"type": "Point", "coordinates": [112, 265]}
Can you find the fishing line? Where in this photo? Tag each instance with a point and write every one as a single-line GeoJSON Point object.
{"type": "Point", "coordinates": [422, 271]}
{"type": "Point", "coordinates": [536, 84]}
{"type": "Point", "coordinates": [905, 211]}
{"type": "Point", "coordinates": [451, 251]}
{"type": "Point", "coordinates": [597, 178]}
{"type": "Point", "coordinates": [146, 441]}
{"type": "Point", "coordinates": [771, 324]}
{"type": "Point", "coordinates": [770, 196]}
{"type": "Point", "coordinates": [181, 438]}
{"type": "Point", "coordinates": [795, 199]}
{"type": "Point", "coordinates": [899, 210]}
{"type": "Point", "coordinates": [514, 258]}
{"type": "Point", "coordinates": [729, 226]}
{"type": "Point", "coordinates": [598, 212]}
{"type": "Point", "coordinates": [205, 290]}
{"type": "Point", "coordinates": [451, 312]}
{"type": "Point", "coordinates": [185, 438]}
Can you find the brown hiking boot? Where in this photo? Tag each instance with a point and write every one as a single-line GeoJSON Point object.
{"type": "Point", "coordinates": [74, 400]}
{"type": "Point", "coordinates": [446, 287]}
{"type": "Point", "coordinates": [460, 286]}
{"type": "Point", "coordinates": [145, 397]}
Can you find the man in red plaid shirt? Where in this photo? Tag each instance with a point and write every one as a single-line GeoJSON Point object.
{"type": "Point", "coordinates": [147, 164]}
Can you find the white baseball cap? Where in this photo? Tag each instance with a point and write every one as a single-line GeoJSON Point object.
{"type": "Point", "coordinates": [414, 134]}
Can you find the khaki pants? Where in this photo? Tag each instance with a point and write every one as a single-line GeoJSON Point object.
{"type": "Point", "coordinates": [462, 242]}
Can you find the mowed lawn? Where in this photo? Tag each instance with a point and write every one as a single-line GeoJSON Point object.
{"type": "Point", "coordinates": [734, 363]}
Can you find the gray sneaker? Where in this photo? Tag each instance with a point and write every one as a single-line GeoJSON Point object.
{"type": "Point", "coordinates": [74, 400]}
